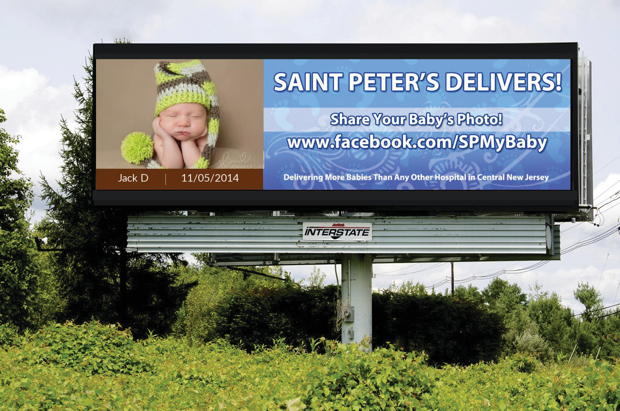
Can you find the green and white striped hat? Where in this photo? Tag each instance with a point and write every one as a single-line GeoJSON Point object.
{"type": "Point", "coordinates": [186, 82]}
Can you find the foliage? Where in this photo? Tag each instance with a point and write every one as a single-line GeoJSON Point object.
{"type": "Point", "coordinates": [197, 317]}
{"type": "Point", "coordinates": [316, 278]}
{"type": "Point", "coordinates": [90, 239]}
{"type": "Point", "coordinates": [598, 330]}
{"type": "Point", "coordinates": [255, 312]}
{"type": "Point", "coordinates": [469, 293]}
{"type": "Point", "coordinates": [521, 382]}
{"type": "Point", "coordinates": [20, 288]}
{"type": "Point", "coordinates": [608, 335]}
{"type": "Point", "coordinates": [555, 323]}
{"type": "Point", "coordinates": [523, 363]}
{"type": "Point", "coordinates": [256, 316]}
{"type": "Point", "coordinates": [91, 348]}
{"type": "Point", "coordinates": [501, 296]}
{"type": "Point", "coordinates": [169, 374]}
{"type": "Point", "coordinates": [590, 298]}
{"type": "Point", "coordinates": [408, 288]}
{"type": "Point", "coordinates": [532, 344]}
{"type": "Point", "coordinates": [153, 296]}
{"type": "Point", "coordinates": [385, 378]}
{"type": "Point", "coordinates": [448, 330]}
{"type": "Point", "coordinates": [97, 278]}
{"type": "Point", "coordinates": [465, 328]}
{"type": "Point", "coordinates": [8, 334]}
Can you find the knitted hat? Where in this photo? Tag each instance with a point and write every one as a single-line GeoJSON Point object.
{"type": "Point", "coordinates": [188, 82]}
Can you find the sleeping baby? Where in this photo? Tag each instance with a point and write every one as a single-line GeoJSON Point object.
{"type": "Point", "coordinates": [186, 122]}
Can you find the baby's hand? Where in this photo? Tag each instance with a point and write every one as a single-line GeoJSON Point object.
{"type": "Point", "coordinates": [159, 130]}
{"type": "Point", "coordinates": [166, 148]}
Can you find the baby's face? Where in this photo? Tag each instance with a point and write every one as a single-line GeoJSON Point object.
{"type": "Point", "coordinates": [184, 121]}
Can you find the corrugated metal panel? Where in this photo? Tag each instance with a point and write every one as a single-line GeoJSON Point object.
{"type": "Point", "coordinates": [476, 235]}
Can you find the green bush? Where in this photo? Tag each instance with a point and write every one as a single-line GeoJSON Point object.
{"type": "Point", "coordinates": [383, 379]}
{"type": "Point", "coordinates": [197, 317]}
{"type": "Point", "coordinates": [532, 344]}
{"type": "Point", "coordinates": [521, 382]}
{"type": "Point", "coordinates": [448, 330]}
{"type": "Point", "coordinates": [258, 316]}
{"type": "Point", "coordinates": [465, 329]}
{"type": "Point", "coordinates": [91, 348]}
{"type": "Point", "coordinates": [8, 334]}
{"type": "Point", "coordinates": [523, 363]}
{"type": "Point", "coordinates": [217, 375]}
{"type": "Point", "coordinates": [252, 315]}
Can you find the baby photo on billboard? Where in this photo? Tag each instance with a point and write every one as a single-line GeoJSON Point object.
{"type": "Point", "coordinates": [169, 114]}
{"type": "Point", "coordinates": [186, 123]}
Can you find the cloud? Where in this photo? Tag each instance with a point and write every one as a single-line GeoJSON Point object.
{"type": "Point", "coordinates": [428, 22]}
{"type": "Point", "coordinates": [33, 108]}
{"type": "Point", "coordinates": [321, 21]}
{"type": "Point", "coordinates": [116, 18]}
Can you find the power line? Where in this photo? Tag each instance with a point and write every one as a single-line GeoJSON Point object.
{"type": "Point", "coordinates": [598, 208]}
{"type": "Point", "coordinates": [611, 201]}
{"type": "Point", "coordinates": [607, 163]}
{"type": "Point", "coordinates": [607, 315]}
{"type": "Point", "coordinates": [606, 190]}
{"type": "Point", "coordinates": [598, 309]}
{"type": "Point", "coordinates": [571, 248]}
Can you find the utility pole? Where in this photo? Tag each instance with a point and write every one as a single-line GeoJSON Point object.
{"type": "Point", "coordinates": [452, 276]}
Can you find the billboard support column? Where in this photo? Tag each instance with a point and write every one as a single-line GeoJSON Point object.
{"type": "Point", "coordinates": [356, 299]}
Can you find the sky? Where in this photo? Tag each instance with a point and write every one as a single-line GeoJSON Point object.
{"type": "Point", "coordinates": [45, 44]}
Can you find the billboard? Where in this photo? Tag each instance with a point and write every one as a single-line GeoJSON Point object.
{"type": "Point", "coordinates": [383, 126]}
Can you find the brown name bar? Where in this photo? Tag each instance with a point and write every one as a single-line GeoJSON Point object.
{"type": "Point", "coordinates": [186, 179]}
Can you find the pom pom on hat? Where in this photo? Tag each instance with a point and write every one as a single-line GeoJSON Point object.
{"type": "Point", "coordinates": [137, 148]}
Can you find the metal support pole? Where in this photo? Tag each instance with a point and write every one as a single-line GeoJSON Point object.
{"type": "Point", "coordinates": [356, 299]}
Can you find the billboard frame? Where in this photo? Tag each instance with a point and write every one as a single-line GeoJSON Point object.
{"type": "Point", "coordinates": [410, 201]}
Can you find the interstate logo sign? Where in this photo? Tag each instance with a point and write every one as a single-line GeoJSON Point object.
{"type": "Point", "coordinates": [321, 231]}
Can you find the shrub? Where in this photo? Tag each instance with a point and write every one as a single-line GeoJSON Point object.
{"type": "Point", "coordinates": [8, 334]}
{"type": "Point", "coordinates": [217, 375]}
{"type": "Point", "coordinates": [383, 379]}
{"type": "Point", "coordinates": [450, 331]}
{"type": "Point", "coordinates": [523, 363]}
{"type": "Point", "coordinates": [197, 316]}
{"type": "Point", "coordinates": [257, 316]}
{"type": "Point", "coordinates": [92, 348]}
{"type": "Point", "coordinates": [532, 344]}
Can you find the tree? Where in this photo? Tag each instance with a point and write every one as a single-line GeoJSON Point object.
{"type": "Point", "coordinates": [521, 332]}
{"type": "Point", "coordinates": [598, 331]}
{"type": "Point", "coordinates": [18, 271]}
{"type": "Point", "coordinates": [503, 297]}
{"type": "Point", "coordinates": [590, 298]}
{"type": "Point", "coordinates": [99, 279]}
{"type": "Point", "coordinates": [408, 288]}
{"type": "Point", "coordinates": [469, 293]}
{"type": "Point", "coordinates": [555, 323]}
